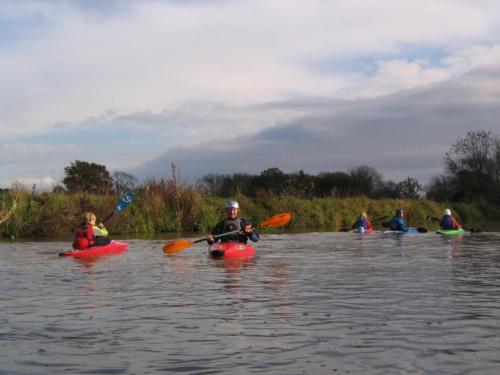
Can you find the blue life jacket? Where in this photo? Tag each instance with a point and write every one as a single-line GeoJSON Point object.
{"type": "Point", "coordinates": [397, 223]}
{"type": "Point", "coordinates": [447, 222]}
{"type": "Point", "coordinates": [361, 223]}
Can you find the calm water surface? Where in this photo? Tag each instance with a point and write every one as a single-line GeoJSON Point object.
{"type": "Point", "coordinates": [317, 303]}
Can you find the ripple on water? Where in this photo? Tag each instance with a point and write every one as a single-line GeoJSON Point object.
{"type": "Point", "coordinates": [317, 303]}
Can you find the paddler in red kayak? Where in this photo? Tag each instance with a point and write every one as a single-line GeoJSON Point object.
{"type": "Point", "coordinates": [362, 223]}
{"type": "Point", "coordinates": [448, 222]}
{"type": "Point", "coordinates": [233, 223]}
{"type": "Point", "coordinates": [89, 234]}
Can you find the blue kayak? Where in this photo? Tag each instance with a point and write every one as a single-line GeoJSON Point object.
{"type": "Point", "coordinates": [410, 230]}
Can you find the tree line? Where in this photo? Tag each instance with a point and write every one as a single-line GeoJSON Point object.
{"type": "Point", "coordinates": [359, 181]}
{"type": "Point", "coordinates": [471, 174]}
{"type": "Point", "coordinates": [363, 180]}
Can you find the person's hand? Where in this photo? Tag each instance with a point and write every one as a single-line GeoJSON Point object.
{"type": "Point", "coordinates": [210, 238]}
{"type": "Point", "coordinates": [101, 225]}
{"type": "Point", "coordinates": [248, 228]}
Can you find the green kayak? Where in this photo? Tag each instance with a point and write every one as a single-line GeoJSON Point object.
{"type": "Point", "coordinates": [451, 232]}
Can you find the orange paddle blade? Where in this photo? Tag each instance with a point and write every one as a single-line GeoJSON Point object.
{"type": "Point", "coordinates": [277, 220]}
{"type": "Point", "coordinates": [176, 245]}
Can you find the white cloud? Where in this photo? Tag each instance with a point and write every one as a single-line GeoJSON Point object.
{"type": "Point", "coordinates": [152, 56]}
{"type": "Point", "coordinates": [473, 56]}
{"type": "Point", "coordinates": [40, 184]}
{"type": "Point", "coordinates": [395, 75]}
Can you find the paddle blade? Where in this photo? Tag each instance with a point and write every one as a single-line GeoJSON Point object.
{"type": "Point", "coordinates": [125, 201]}
{"type": "Point", "coordinates": [277, 220]}
{"type": "Point", "coordinates": [474, 230]}
{"type": "Point", "coordinates": [176, 246]}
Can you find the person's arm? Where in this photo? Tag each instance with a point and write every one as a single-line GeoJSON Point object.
{"type": "Point", "coordinates": [441, 222]}
{"type": "Point", "coordinates": [254, 236]}
{"type": "Point", "coordinates": [402, 225]}
{"type": "Point", "coordinates": [217, 230]}
{"type": "Point", "coordinates": [249, 232]}
{"type": "Point", "coordinates": [100, 231]}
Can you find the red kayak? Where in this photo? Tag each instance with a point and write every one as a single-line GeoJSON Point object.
{"type": "Point", "coordinates": [231, 250]}
{"type": "Point", "coordinates": [114, 247]}
{"type": "Point", "coordinates": [362, 230]}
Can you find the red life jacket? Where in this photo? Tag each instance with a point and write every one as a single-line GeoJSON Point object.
{"type": "Point", "coordinates": [84, 237]}
{"type": "Point", "coordinates": [456, 224]}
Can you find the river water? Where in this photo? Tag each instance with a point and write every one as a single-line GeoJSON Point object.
{"type": "Point", "coordinates": [315, 303]}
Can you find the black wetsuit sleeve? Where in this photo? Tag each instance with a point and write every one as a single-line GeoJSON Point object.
{"type": "Point", "coordinates": [253, 236]}
{"type": "Point", "coordinates": [218, 229]}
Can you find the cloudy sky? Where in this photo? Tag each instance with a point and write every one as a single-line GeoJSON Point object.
{"type": "Point", "coordinates": [226, 86]}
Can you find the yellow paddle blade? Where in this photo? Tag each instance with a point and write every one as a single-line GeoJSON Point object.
{"type": "Point", "coordinates": [176, 245]}
{"type": "Point", "coordinates": [277, 220]}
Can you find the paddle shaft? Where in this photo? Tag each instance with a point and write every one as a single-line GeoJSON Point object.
{"type": "Point", "coordinates": [109, 216]}
{"type": "Point", "coordinates": [379, 218]}
{"type": "Point", "coordinates": [218, 235]}
{"type": "Point", "coordinates": [228, 233]}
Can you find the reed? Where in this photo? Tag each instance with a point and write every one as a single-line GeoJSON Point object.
{"type": "Point", "coordinates": [167, 206]}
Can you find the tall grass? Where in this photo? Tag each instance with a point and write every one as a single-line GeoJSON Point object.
{"type": "Point", "coordinates": [167, 206]}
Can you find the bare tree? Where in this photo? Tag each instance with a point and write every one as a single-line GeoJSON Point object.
{"type": "Point", "coordinates": [123, 182]}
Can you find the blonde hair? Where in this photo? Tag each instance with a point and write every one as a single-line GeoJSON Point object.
{"type": "Point", "coordinates": [363, 215]}
{"type": "Point", "coordinates": [88, 217]}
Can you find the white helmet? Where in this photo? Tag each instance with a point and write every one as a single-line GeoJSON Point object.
{"type": "Point", "coordinates": [447, 212]}
{"type": "Point", "coordinates": [232, 204]}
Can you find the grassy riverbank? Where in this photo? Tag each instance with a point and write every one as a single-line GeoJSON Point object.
{"type": "Point", "coordinates": [171, 210]}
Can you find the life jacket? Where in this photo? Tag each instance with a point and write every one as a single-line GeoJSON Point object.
{"type": "Point", "coordinates": [229, 225]}
{"type": "Point", "coordinates": [397, 223]}
{"type": "Point", "coordinates": [362, 223]}
{"type": "Point", "coordinates": [84, 237]}
{"type": "Point", "coordinates": [359, 223]}
{"type": "Point", "coordinates": [368, 224]}
{"type": "Point", "coordinates": [448, 222]}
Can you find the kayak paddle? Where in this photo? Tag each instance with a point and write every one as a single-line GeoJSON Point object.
{"type": "Point", "coordinates": [126, 199]}
{"type": "Point", "coordinates": [379, 218]}
{"type": "Point", "coordinates": [275, 221]}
